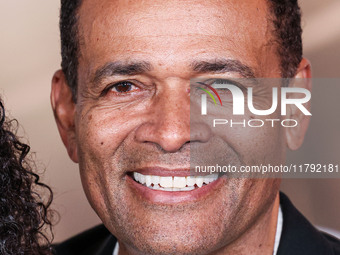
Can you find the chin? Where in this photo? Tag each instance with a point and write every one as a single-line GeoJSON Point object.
{"type": "Point", "coordinates": [176, 233]}
{"type": "Point", "coordinates": [179, 244]}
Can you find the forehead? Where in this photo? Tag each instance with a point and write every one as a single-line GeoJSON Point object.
{"type": "Point", "coordinates": [200, 14]}
{"type": "Point", "coordinates": [172, 28]}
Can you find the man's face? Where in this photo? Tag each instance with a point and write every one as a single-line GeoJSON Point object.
{"type": "Point", "coordinates": [133, 115]}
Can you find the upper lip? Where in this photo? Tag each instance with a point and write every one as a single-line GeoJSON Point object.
{"type": "Point", "coordinates": [162, 171]}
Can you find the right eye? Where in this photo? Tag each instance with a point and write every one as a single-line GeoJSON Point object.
{"type": "Point", "coordinates": [123, 87]}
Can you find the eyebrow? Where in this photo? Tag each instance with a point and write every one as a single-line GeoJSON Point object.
{"type": "Point", "coordinates": [223, 66]}
{"type": "Point", "coordinates": [121, 68]}
{"type": "Point", "coordinates": [204, 66]}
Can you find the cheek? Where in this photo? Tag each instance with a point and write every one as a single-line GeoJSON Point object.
{"type": "Point", "coordinates": [99, 134]}
{"type": "Point", "coordinates": [253, 145]}
{"type": "Point", "coordinates": [262, 145]}
{"type": "Point", "coordinates": [98, 140]}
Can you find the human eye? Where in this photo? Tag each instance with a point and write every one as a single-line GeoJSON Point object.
{"type": "Point", "coordinates": [121, 88]}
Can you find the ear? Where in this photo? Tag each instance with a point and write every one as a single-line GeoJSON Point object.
{"type": "Point", "coordinates": [302, 79]}
{"type": "Point", "coordinates": [64, 113]}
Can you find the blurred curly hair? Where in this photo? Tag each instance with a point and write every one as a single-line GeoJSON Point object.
{"type": "Point", "coordinates": [24, 215]}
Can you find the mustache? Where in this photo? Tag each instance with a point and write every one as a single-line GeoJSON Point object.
{"type": "Point", "coordinates": [148, 155]}
{"type": "Point", "coordinates": [189, 155]}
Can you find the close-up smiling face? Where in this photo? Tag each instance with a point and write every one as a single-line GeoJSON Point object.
{"type": "Point", "coordinates": [130, 128]}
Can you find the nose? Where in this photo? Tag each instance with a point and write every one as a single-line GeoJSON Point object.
{"type": "Point", "coordinates": [168, 123]}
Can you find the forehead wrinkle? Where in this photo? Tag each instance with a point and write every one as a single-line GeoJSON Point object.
{"type": "Point", "coordinates": [191, 20]}
{"type": "Point", "coordinates": [125, 30]}
{"type": "Point", "coordinates": [180, 17]}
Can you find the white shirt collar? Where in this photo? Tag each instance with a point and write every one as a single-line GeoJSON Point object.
{"type": "Point", "coordinates": [116, 249]}
{"type": "Point", "coordinates": [278, 231]}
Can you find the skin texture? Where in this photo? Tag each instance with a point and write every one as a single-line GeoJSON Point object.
{"type": "Point", "coordinates": [110, 134]}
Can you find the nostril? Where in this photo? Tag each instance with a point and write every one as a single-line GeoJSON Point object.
{"type": "Point", "coordinates": [169, 135]}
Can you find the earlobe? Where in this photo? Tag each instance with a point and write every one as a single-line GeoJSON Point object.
{"type": "Point", "coordinates": [302, 79]}
{"type": "Point", "coordinates": [64, 113]}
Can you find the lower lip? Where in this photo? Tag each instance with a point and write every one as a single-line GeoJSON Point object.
{"type": "Point", "coordinates": [174, 197]}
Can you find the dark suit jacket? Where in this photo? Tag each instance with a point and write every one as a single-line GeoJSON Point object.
{"type": "Point", "coordinates": [298, 237]}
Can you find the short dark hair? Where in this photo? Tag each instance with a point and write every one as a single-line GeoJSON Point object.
{"type": "Point", "coordinates": [287, 33]}
{"type": "Point", "coordinates": [69, 42]}
{"type": "Point", "coordinates": [286, 17]}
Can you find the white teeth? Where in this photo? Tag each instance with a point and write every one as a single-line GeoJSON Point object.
{"type": "Point", "coordinates": [191, 180]}
{"type": "Point", "coordinates": [210, 178]}
{"type": "Point", "coordinates": [137, 176]}
{"type": "Point", "coordinates": [187, 188]}
{"type": "Point", "coordinates": [176, 183]}
{"type": "Point", "coordinates": [154, 180]}
{"type": "Point", "coordinates": [166, 181]}
{"type": "Point", "coordinates": [199, 181]}
{"type": "Point", "coordinates": [179, 182]}
{"type": "Point", "coordinates": [142, 178]}
{"type": "Point", "coordinates": [148, 180]}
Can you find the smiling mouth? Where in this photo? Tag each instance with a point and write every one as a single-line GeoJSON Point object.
{"type": "Point", "coordinates": [173, 183]}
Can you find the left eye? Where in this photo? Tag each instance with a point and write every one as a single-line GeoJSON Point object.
{"type": "Point", "coordinates": [123, 87]}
